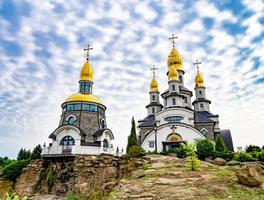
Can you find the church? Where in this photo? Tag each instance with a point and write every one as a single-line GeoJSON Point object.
{"type": "Point", "coordinates": [82, 128]}
{"type": "Point", "coordinates": [177, 119]}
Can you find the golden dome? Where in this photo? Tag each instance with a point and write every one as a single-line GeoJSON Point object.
{"type": "Point", "coordinates": [174, 59]}
{"type": "Point", "coordinates": [83, 97]}
{"type": "Point", "coordinates": [199, 82]}
{"type": "Point", "coordinates": [86, 72]}
{"type": "Point", "coordinates": [154, 85]}
{"type": "Point", "coordinates": [173, 74]}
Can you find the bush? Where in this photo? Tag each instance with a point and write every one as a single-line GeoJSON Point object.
{"type": "Point", "coordinates": [14, 196]}
{"type": "Point", "coordinates": [261, 156]}
{"type": "Point", "coordinates": [192, 161]}
{"type": "Point", "coordinates": [227, 155]}
{"type": "Point", "coordinates": [205, 148]}
{"type": "Point", "coordinates": [180, 151]}
{"type": "Point", "coordinates": [14, 169]}
{"type": "Point", "coordinates": [219, 143]}
{"type": "Point", "coordinates": [50, 179]}
{"type": "Point", "coordinates": [252, 148]}
{"type": "Point", "coordinates": [136, 152]}
{"type": "Point", "coordinates": [243, 157]}
{"type": "Point", "coordinates": [4, 161]}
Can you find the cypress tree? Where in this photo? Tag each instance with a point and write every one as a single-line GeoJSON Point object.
{"type": "Point", "coordinates": [132, 138]}
{"type": "Point", "coordinates": [219, 143]}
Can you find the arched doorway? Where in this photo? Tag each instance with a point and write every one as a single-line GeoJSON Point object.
{"type": "Point", "coordinates": [173, 141]}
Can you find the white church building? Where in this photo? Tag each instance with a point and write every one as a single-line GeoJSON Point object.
{"type": "Point", "coordinates": [177, 118]}
{"type": "Point", "coordinates": [82, 128]}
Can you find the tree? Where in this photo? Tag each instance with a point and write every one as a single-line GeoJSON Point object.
{"type": "Point", "coordinates": [219, 143]}
{"type": "Point", "coordinates": [36, 153]}
{"type": "Point", "coordinates": [14, 169]}
{"type": "Point", "coordinates": [252, 148]}
{"type": "Point", "coordinates": [23, 154]}
{"type": "Point", "coordinates": [192, 161]}
{"type": "Point", "coordinates": [205, 148]}
{"type": "Point", "coordinates": [132, 138]}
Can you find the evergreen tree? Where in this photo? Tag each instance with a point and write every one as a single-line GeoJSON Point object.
{"type": "Point", "coordinates": [36, 153]}
{"type": "Point", "coordinates": [219, 143]}
{"type": "Point", "coordinates": [23, 154]}
{"type": "Point", "coordinates": [132, 138]}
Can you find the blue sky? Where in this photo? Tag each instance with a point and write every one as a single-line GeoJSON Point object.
{"type": "Point", "coordinates": [41, 54]}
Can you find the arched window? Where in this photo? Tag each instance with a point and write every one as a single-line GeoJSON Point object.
{"type": "Point", "coordinates": [173, 87]}
{"type": "Point", "coordinates": [202, 106]}
{"type": "Point", "coordinates": [153, 98]}
{"type": "Point", "coordinates": [102, 123]}
{"type": "Point", "coordinates": [105, 144]}
{"type": "Point", "coordinates": [67, 141]}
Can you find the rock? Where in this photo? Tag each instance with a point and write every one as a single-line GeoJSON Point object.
{"type": "Point", "coordinates": [220, 161]}
{"type": "Point", "coordinates": [138, 174]}
{"type": "Point", "coordinates": [233, 162]}
{"type": "Point", "coordinates": [210, 160]}
{"type": "Point", "coordinates": [249, 176]}
{"type": "Point", "coordinates": [109, 186]}
{"type": "Point", "coordinates": [172, 154]}
{"type": "Point", "coordinates": [257, 165]}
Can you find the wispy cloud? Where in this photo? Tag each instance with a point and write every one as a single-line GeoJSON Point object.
{"type": "Point", "coordinates": [41, 53]}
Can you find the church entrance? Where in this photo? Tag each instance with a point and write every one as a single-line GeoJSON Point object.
{"type": "Point", "coordinates": [173, 140]}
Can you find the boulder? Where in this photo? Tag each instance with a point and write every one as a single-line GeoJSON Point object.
{"type": "Point", "coordinates": [210, 160]}
{"type": "Point", "coordinates": [138, 174]}
{"type": "Point", "coordinates": [258, 166]}
{"type": "Point", "coordinates": [233, 162]}
{"type": "Point", "coordinates": [220, 161]}
{"type": "Point", "coordinates": [249, 176]}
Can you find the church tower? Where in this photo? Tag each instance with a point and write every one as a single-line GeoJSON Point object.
{"type": "Point", "coordinates": [82, 128]}
{"type": "Point", "coordinates": [201, 103]}
{"type": "Point", "coordinates": [154, 106]}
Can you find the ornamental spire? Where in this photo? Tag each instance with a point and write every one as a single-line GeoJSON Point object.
{"type": "Point", "coordinates": [88, 51]}
{"type": "Point", "coordinates": [153, 68]}
{"type": "Point", "coordinates": [172, 38]}
{"type": "Point", "coordinates": [199, 82]}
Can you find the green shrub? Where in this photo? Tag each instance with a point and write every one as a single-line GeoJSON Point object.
{"type": "Point", "coordinates": [180, 151]}
{"type": "Point", "coordinates": [254, 154]}
{"type": "Point", "coordinates": [4, 161]}
{"type": "Point", "coordinates": [50, 179]}
{"type": "Point", "coordinates": [14, 169]}
{"type": "Point", "coordinates": [193, 162]}
{"type": "Point", "coordinates": [136, 152]}
{"type": "Point", "coordinates": [261, 156]}
{"type": "Point", "coordinates": [219, 143]}
{"type": "Point", "coordinates": [243, 157]}
{"type": "Point", "coordinates": [227, 155]}
{"type": "Point", "coordinates": [14, 196]}
{"type": "Point", "coordinates": [145, 166]}
{"type": "Point", "coordinates": [252, 148]}
{"type": "Point", "coordinates": [205, 148]}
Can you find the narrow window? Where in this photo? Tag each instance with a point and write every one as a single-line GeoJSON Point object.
{"type": "Point", "coordinates": [153, 110]}
{"type": "Point", "coordinates": [185, 100]}
{"type": "Point", "coordinates": [153, 98]}
{"type": "Point", "coordinates": [201, 106]}
{"type": "Point", "coordinates": [174, 101]}
{"type": "Point", "coordinates": [181, 79]}
{"type": "Point", "coordinates": [173, 87]}
{"type": "Point", "coordinates": [200, 93]}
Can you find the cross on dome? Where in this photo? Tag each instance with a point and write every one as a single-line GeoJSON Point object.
{"type": "Point", "coordinates": [153, 68]}
{"type": "Point", "coordinates": [197, 63]}
{"type": "Point", "coordinates": [172, 38]}
{"type": "Point", "coordinates": [88, 50]}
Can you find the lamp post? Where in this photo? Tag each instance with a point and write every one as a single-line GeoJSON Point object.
{"type": "Point", "coordinates": [155, 129]}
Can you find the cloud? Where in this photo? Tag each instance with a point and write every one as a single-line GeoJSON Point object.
{"type": "Point", "coordinates": [41, 54]}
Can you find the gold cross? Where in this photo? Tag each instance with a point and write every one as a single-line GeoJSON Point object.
{"type": "Point", "coordinates": [172, 38]}
{"type": "Point", "coordinates": [88, 49]}
{"type": "Point", "coordinates": [197, 63]}
{"type": "Point", "coordinates": [173, 128]}
{"type": "Point", "coordinates": [153, 68]}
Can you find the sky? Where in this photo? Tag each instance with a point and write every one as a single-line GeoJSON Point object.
{"type": "Point", "coordinates": [41, 54]}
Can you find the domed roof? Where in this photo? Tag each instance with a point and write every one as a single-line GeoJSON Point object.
{"type": "Point", "coordinates": [86, 72]}
{"type": "Point", "coordinates": [175, 59]}
{"type": "Point", "coordinates": [154, 85]}
{"type": "Point", "coordinates": [83, 97]}
{"type": "Point", "coordinates": [173, 74]}
{"type": "Point", "coordinates": [199, 81]}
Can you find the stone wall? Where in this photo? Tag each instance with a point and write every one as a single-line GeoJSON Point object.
{"type": "Point", "coordinates": [79, 174]}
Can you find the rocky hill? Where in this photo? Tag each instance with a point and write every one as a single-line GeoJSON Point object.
{"type": "Point", "coordinates": [152, 177]}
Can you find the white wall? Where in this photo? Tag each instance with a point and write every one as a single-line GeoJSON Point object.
{"type": "Point", "coordinates": [187, 133]}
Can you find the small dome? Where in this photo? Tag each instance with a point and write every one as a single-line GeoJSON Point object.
{"type": "Point", "coordinates": [86, 72]}
{"type": "Point", "coordinates": [199, 82]}
{"type": "Point", "coordinates": [174, 59]}
{"type": "Point", "coordinates": [173, 74]}
{"type": "Point", "coordinates": [154, 85]}
{"type": "Point", "coordinates": [83, 97]}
